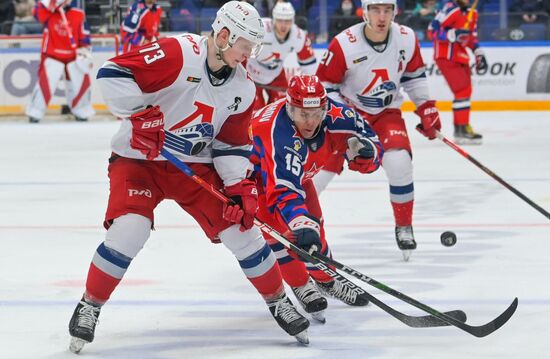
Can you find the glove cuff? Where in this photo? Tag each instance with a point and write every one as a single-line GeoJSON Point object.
{"type": "Point", "coordinates": [305, 222]}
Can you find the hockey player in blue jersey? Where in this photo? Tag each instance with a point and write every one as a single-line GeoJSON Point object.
{"type": "Point", "coordinates": [292, 138]}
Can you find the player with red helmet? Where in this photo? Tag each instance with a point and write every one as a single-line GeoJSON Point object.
{"type": "Point", "coordinates": [293, 137]}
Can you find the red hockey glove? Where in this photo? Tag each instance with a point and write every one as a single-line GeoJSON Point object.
{"type": "Point", "coordinates": [148, 132]}
{"type": "Point", "coordinates": [305, 233]}
{"type": "Point", "coordinates": [481, 61]}
{"type": "Point", "coordinates": [363, 155]}
{"type": "Point", "coordinates": [363, 165]}
{"type": "Point", "coordinates": [429, 119]}
{"type": "Point", "coordinates": [243, 211]}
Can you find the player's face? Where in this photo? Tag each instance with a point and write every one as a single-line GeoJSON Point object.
{"type": "Point", "coordinates": [307, 120]}
{"type": "Point", "coordinates": [380, 17]}
{"type": "Point", "coordinates": [241, 50]}
{"type": "Point", "coordinates": [282, 27]}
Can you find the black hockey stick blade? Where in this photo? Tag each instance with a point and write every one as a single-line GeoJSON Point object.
{"type": "Point", "coordinates": [478, 331]}
{"type": "Point", "coordinates": [486, 329]}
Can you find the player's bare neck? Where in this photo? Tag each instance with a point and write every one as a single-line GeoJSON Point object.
{"type": "Point", "coordinates": [214, 64]}
{"type": "Point", "coordinates": [378, 41]}
{"type": "Point", "coordinates": [282, 39]}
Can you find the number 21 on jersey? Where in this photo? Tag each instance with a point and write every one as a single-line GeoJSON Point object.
{"type": "Point", "coordinates": [159, 54]}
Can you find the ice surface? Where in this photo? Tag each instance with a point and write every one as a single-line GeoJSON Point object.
{"type": "Point", "coordinates": [186, 298]}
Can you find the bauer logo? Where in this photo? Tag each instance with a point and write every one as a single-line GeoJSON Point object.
{"type": "Point", "coordinates": [143, 192]}
{"type": "Point", "coordinates": [312, 102]}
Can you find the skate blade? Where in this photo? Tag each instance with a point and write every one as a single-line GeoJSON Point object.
{"type": "Point", "coordinates": [462, 141]}
{"type": "Point", "coordinates": [319, 316]}
{"type": "Point", "coordinates": [76, 345]}
{"type": "Point", "coordinates": [302, 337]}
{"type": "Point", "coordinates": [406, 254]}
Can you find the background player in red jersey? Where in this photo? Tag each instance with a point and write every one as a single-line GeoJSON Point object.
{"type": "Point", "coordinates": [141, 24]}
{"type": "Point", "coordinates": [293, 139]}
{"type": "Point", "coordinates": [190, 95]}
{"type": "Point", "coordinates": [366, 66]}
{"type": "Point", "coordinates": [65, 52]}
{"type": "Point", "coordinates": [454, 31]}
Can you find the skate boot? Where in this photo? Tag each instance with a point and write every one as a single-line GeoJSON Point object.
{"type": "Point", "coordinates": [34, 120]}
{"type": "Point", "coordinates": [465, 135]}
{"type": "Point", "coordinates": [405, 240]}
{"type": "Point", "coordinates": [289, 318]}
{"type": "Point", "coordinates": [311, 300]}
{"type": "Point", "coordinates": [82, 325]}
{"type": "Point", "coordinates": [344, 290]}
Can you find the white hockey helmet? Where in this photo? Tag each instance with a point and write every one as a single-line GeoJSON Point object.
{"type": "Point", "coordinates": [242, 20]}
{"type": "Point", "coordinates": [283, 11]}
{"type": "Point", "coordinates": [366, 3]}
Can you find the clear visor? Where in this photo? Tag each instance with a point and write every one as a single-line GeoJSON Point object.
{"type": "Point", "coordinates": [246, 47]}
{"type": "Point", "coordinates": [307, 115]}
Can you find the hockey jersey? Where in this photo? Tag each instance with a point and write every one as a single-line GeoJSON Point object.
{"type": "Point", "coordinates": [283, 160]}
{"type": "Point", "coordinates": [56, 41]}
{"type": "Point", "coordinates": [205, 121]}
{"type": "Point", "coordinates": [268, 64]}
{"type": "Point", "coordinates": [141, 25]}
{"type": "Point", "coordinates": [370, 80]}
{"type": "Point", "coordinates": [453, 17]}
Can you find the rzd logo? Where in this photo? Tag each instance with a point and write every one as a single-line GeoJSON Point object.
{"type": "Point", "coordinates": [143, 192]}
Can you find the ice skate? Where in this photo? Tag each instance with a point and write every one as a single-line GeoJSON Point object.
{"type": "Point", "coordinates": [289, 318]}
{"type": "Point", "coordinates": [311, 300]}
{"type": "Point", "coordinates": [82, 325]}
{"type": "Point", "coordinates": [34, 120]}
{"type": "Point", "coordinates": [465, 135]}
{"type": "Point", "coordinates": [344, 290]}
{"type": "Point", "coordinates": [405, 240]}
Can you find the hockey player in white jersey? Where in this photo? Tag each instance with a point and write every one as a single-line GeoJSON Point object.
{"type": "Point", "coordinates": [190, 95]}
{"type": "Point", "coordinates": [365, 66]}
{"type": "Point", "coordinates": [282, 37]}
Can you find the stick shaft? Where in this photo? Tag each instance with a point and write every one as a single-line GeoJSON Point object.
{"type": "Point", "coordinates": [466, 155]}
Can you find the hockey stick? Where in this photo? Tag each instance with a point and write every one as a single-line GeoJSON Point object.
{"type": "Point", "coordinates": [411, 321]}
{"type": "Point", "coordinates": [67, 27]}
{"type": "Point", "coordinates": [465, 154]}
{"type": "Point", "coordinates": [272, 88]}
{"type": "Point", "coordinates": [470, 15]}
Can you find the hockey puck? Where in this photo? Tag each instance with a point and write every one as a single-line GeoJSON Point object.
{"type": "Point", "coordinates": [448, 239]}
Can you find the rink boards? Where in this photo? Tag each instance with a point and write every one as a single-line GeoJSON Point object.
{"type": "Point", "coordinates": [518, 78]}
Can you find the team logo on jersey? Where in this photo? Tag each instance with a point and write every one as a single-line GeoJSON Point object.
{"type": "Point", "coordinates": [272, 61]}
{"type": "Point", "coordinates": [297, 145]}
{"type": "Point", "coordinates": [235, 105]}
{"type": "Point", "coordinates": [190, 140]}
{"type": "Point", "coordinates": [379, 97]}
{"type": "Point", "coordinates": [335, 112]}
{"type": "Point", "coordinates": [361, 59]}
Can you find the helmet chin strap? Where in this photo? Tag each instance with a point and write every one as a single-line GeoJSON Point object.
{"type": "Point", "coordinates": [219, 52]}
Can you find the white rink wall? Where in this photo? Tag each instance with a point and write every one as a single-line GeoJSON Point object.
{"type": "Point", "coordinates": [518, 79]}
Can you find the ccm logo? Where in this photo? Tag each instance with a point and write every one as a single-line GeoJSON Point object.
{"type": "Point", "coordinates": [152, 124]}
{"type": "Point", "coordinates": [143, 192]}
